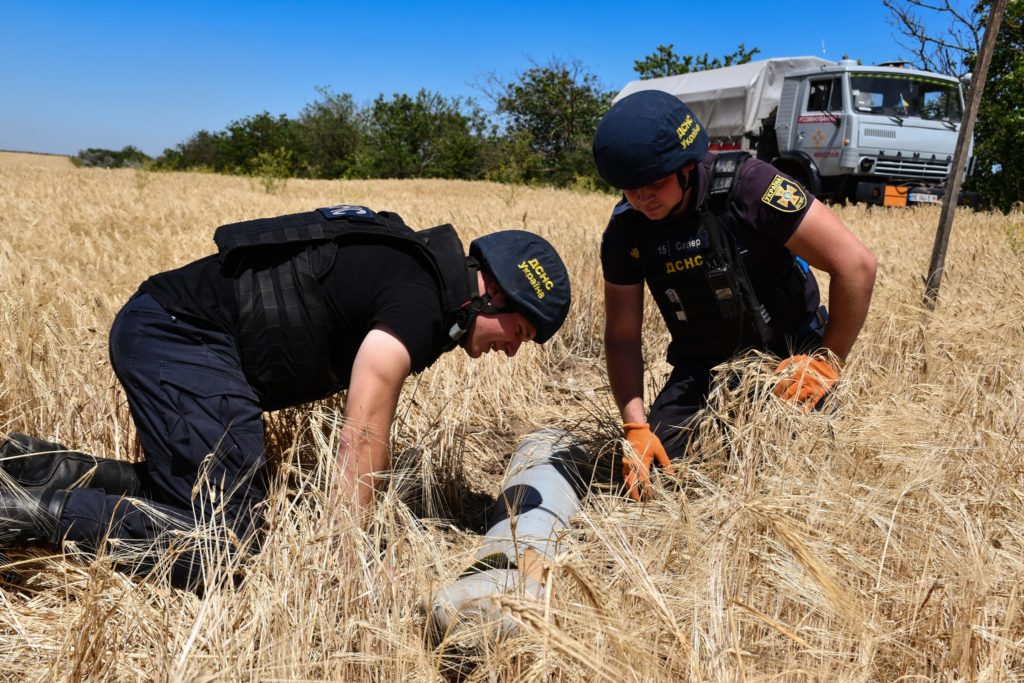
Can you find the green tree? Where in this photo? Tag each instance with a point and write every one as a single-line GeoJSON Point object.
{"type": "Point", "coordinates": [553, 110]}
{"type": "Point", "coordinates": [271, 169]}
{"type": "Point", "coordinates": [426, 136]}
{"type": "Point", "coordinates": [510, 158]}
{"type": "Point", "coordinates": [999, 131]}
{"type": "Point", "coordinates": [107, 158]}
{"type": "Point", "coordinates": [200, 151]}
{"type": "Point", "coordinates": [665, 62]}
{"type": "Point", "coordinates": [245, 139]}
{"type": "Point", "coordinates": [237, 149]}
{"type": "Point", "coordinates": [953, 49]}
{"type": "Point", "coordinates": [331, 131]}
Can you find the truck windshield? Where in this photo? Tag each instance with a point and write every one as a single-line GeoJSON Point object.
{"type": "Point", "coordinates": [906, 95]}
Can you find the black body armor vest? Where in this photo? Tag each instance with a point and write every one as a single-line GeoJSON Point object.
{"type": "Point", "coordinates": [286, 326]}
{"type": "Point", "coordinates": [711, 305]}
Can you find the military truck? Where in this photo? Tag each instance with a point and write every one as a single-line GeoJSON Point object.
{"type": "Point", "coordinates": [848, 132]}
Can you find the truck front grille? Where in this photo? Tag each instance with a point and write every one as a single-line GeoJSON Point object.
{"type": "Point", "coordinates": [910, 168]}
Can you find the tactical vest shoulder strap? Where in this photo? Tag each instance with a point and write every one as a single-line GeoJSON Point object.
{"type": "Point", "coordinates": [722, 179]}
{"type": "Point", "coordinates": [325, 224]}
{"type": "Point", "coordinates": [728, 263]}
{"type": "Point", "coordinates": [449, 262]}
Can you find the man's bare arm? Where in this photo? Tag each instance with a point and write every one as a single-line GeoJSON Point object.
{"type": "Point", "coordinates": [380, 368]}
{"type": "Point", "coordinates": [828, 245]}
{"type": "Point", "coordinates": [623, 319]}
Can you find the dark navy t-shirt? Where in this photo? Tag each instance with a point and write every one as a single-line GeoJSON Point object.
{"type": "Point", "coordinates": [764, 210]}
{"type": "Point", "coordinates": [381, 283]}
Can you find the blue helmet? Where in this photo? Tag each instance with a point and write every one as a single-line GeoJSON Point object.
{"type": "Point", "coordinates": [532, 275]}
{"type": "Point", "coordinates": [646, 136]}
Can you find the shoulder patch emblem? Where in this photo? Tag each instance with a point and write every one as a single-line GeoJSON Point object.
{"type": "Point", "coordinates": [784, 195]}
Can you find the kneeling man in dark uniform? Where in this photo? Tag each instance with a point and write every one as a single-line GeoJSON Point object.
{"type": "Point", "coordinates": [724, 243]}
{"type": "Point", "coordinates": [290, 310]}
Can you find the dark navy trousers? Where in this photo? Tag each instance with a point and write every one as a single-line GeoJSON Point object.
{"type": "Point", "coordinates": [685, 393]}
{"type": "Point", "coordinates": [201, 429]}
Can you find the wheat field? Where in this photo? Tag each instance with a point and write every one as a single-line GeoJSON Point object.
{"type": "Point", "coordinates": [879, 541]}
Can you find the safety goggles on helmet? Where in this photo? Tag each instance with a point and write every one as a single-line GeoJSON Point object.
{"type": "Point", "coordinates": [530, 273]}
{"type": "Point", "coordinates": [645, 137]}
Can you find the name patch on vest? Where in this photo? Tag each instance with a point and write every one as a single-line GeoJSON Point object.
{"type": "Point", "coordinates": [680, 265]}
{"type": "Point", "coordinates": [333, 213]}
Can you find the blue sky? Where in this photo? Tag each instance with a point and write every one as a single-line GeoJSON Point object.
{"type": "Point", "coordinates": [109, 74]}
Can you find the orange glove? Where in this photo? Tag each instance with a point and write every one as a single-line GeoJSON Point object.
{"type": "Point", "coordinates": [636, 466]}
{"type": "Point", "coordinates": [805, 379]}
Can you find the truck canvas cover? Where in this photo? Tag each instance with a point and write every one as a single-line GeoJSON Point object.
{"type": "Point", "coordinates": [732, 100]}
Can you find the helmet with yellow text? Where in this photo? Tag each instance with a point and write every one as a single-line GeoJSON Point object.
{"type": "Point", "coordinates": [645, 137]}
{"type": "Point", "coordinates": [530, 273]}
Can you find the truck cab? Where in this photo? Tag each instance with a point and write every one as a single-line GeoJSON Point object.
{"type": "Point", "coordinates": [878, 134]}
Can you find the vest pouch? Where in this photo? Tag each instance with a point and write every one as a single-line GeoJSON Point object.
{"type": "Point", "coordinates": [726, 291]}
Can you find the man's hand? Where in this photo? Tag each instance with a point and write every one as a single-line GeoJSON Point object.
{"type": "Point", "coordinates": [636, 466]}
{"type": "Point", "coordinates": [805, 379]}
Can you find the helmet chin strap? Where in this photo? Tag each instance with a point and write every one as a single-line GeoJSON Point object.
{"type": "Point", "coordinates": [478, 303]}
{"type": "Point", "coordinates": [684, 183]}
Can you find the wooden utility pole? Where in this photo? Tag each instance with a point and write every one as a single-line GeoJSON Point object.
{"type": "Point", "coordinates": [949, 200]}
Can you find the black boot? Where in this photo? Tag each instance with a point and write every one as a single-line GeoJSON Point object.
{"type": "Point", "coordinates": [30, 518]}
{"type": "Point", "coordinates": [40, 466]}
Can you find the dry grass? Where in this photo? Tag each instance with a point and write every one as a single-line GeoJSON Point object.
{"type": "Point", "coordinates": [881, 541]}
{"type": "Point", "coordinates": [33, 160]}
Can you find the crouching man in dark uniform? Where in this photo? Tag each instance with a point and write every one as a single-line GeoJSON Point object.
{"type": "Point", "coordinates": [292, 309]}
{"type": "Point", "coordinates": [723, 242]}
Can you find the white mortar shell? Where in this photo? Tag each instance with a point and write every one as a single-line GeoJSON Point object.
{"type": "Point", "coordinates": [469, 601]}
{"type": "Point", "coordinates": [539, 497]}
